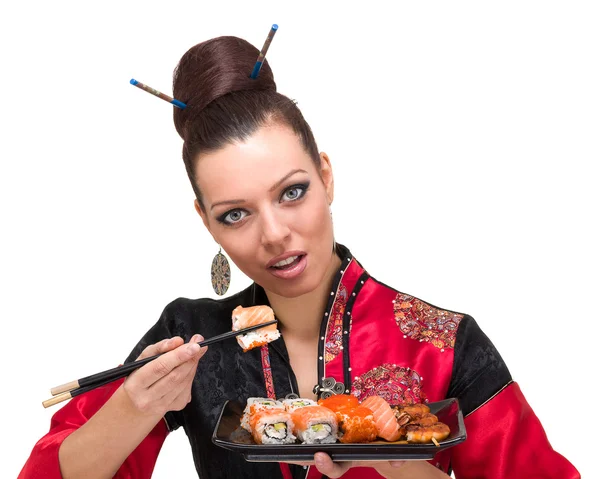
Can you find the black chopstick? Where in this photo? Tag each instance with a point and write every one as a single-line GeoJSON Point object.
{"type": "Point", "coordinates": [79, 386]}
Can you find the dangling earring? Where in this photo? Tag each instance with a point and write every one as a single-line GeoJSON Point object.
{"type": "Point", "coordinates": [220, 274]}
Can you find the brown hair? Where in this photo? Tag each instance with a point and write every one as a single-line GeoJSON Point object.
{"type": "Point", "coordinates": [224, 104]}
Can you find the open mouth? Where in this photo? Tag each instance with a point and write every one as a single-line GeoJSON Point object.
{"type": "Point", "coordinates": [288, 263]}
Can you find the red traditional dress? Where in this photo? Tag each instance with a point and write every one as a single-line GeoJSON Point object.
{"type": "Point", "coordinates": [374, 341]}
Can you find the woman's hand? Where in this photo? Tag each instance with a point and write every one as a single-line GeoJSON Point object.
{"type": "Point", "coordinates": [388, 469]}
{"type": "Point", "coordinates": [165, 384]}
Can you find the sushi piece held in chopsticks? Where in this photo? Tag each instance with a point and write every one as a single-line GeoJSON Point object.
{"type": "Point", "coordinates": [385, 418]}
{"type": "Point", "coordinates": [246, 317]}
{"type": "Point", "coordinates": [292, 404]}
{"type": "Point", "coordinates": [272, 426]}
{"type": "Point", "coordinates": [315, 425]}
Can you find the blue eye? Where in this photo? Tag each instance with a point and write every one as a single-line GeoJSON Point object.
{"type": "Point", "coordinates": [294, 192]}
{"type": "Point", "coordinates": [232, 217]}
{"type": "Point", "coordinates": [290, 194]}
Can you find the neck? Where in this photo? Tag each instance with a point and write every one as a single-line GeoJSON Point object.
{"type": "Point", "coordinates": [301, 317]}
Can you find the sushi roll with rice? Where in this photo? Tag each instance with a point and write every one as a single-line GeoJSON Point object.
{"type": "Point", "coordinates": [254, 406]}
{"type": "Point", "coordinates": [246, 317]}
{"type": "Point", "coordinates": [315, 425]}
{"type": "Point", "coordinates": [356, 425]}
{"type": "Point", "coordinates": [292, 404]}
{"type": "Point", "coordinates": [272, 426]}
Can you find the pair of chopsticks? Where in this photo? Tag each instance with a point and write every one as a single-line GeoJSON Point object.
{"type": "Point", "coordinates": [88, 383]}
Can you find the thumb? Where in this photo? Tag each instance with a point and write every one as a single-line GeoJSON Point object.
{"type": "Point", "coordinates": [161, 347]}
{"type": "Point", "coordinates": [326, 466]}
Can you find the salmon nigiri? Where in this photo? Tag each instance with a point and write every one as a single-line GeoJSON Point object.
{"type": "Point", "coordinates": [385, 419]}
{"type": "Point", "coordinates": [246, 317]}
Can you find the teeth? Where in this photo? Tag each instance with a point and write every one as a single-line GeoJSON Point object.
{"type": "Point", "coordinates": [285, 262]}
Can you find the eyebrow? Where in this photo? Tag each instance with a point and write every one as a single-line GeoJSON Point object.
{"type": "Point", "coordinates": [274, 187]}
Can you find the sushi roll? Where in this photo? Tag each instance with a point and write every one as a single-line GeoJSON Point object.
{"type": "Point", "coordinates": [246, 317]}
{"type": "Point", "coordinates": [315, 425]}
{"type": "Point", "coordinates": [356, 424]}
{"type": "Point", "coordinates": [385, 418]}
{"type": "Point", "coordinates": [292, 404]}
{"type": "Point", "coordinates": [272, 426]}
{"type": "Point", "coordinates": [254, 406]}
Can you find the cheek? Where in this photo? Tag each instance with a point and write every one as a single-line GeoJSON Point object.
{"type": "Point", "coordinates": [240, 250]}
{"type": "Point", "coordinates": [319, 219]}
{"type": "Point", "coordinates": [237, 244]}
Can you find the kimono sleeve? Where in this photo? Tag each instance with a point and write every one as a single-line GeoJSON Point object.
{"type": "Point", "coordinates": [504, 436]}
{"type": "Point", "coordinates": [43, 461]}
{"type": "Point", "coordinates": [169, 325]}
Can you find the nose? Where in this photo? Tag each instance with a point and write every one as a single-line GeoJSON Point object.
{"type": "Point", "coordinates": [275, 229]}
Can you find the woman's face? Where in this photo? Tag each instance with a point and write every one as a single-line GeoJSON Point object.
{"type": "Point", "coordinates": [266, 202]}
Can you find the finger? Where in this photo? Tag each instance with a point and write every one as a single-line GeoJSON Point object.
{"type": "Point", "coordinates": [397, 463]}
{"type": "Point", "coordinates": [177, 378]}
{"type": "Point", "coordinates": [326, 466]}
{"type": "Point", "coordinates": [163, 365]}
{"type": "Point", "coordinates": [161, 347]}
{"type": "Point", "coordinates": [182, 396]}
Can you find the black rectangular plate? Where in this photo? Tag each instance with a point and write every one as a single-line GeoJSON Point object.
{"type": "Point", "coordinates": [229, 435]}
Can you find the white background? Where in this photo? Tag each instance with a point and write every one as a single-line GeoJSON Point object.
{"type": "Point", "coordinates": [464, 140]}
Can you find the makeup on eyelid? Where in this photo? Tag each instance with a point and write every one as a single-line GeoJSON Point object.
{"type": "Point", "coordinates": [304, 187]}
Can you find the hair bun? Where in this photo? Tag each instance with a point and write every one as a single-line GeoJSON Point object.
{"type": "Point", "coordinates": [212, 69]}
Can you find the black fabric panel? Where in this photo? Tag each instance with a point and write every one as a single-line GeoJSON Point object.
{"type": "Point", "coordinates": [224, 373]}
{"type": "Point", "coordinates": [478, 372]}
{"type": "Point", "coordinates": [164, 328]}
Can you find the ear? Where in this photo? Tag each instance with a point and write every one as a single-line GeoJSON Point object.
{"type": "Point", "coordinates": [203, 216]}
{"type": "Point", "coordinates": [327, 175]}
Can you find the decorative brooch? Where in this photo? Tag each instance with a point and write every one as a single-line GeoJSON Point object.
{"type": "Point", "coordinates": [329, 388]}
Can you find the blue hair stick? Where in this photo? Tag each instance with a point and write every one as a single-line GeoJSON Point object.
{"type": "Point", "coordinates": [160, 95]}
{"type": "Point", "coordinates": [263, 52]}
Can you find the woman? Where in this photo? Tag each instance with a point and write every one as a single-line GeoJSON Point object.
{"type": "Point", "coordinates": [263, 191]}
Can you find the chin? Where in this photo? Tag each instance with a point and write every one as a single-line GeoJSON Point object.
{"type": "Point", "coordinates": [290, 290]}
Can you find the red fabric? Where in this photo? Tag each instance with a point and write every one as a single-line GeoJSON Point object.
{"type": "Point", "coordinates": [354, 473]}
{"type": "Point", "coordinates": [268, 375]}
{"type": "Point", "coordinates": [384, 361]}
{"type": "Point", "coordinates": [285, 470]}
{"type": "Point", "coordinates": [43, 461]}
{"type": "Point", "coordinates": [313, 473]}
{"type": "Point", "coordinates": [506, 439]}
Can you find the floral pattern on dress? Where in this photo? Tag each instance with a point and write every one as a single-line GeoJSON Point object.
{"type": "Point", "coordinates": [333, 340]}
{"type": "Point", "coordinates": [395, 384]}
{"type": "Point", "coordinates": [422, 322]}
{"type": "Point", "coordinates": [266, 366]}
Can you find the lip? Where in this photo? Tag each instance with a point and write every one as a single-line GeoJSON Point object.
{"type": "Point", "coordinates": [283, 256]}
{"type": "Point", "coordinates": [292, 273]}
